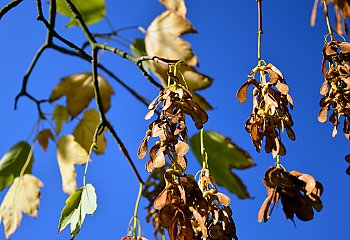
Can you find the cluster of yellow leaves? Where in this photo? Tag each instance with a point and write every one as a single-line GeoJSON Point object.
{"type": "Point", "coordinates": [73, 148]}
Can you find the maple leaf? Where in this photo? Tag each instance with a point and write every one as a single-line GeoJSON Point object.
{"type": "Point", "coordinates": [23, 196]}
{"type": "Point", "coordinates": [85, 130]}
{"type": "Point", "coordinates": [223, 156]}
{"type": "Point", "coordinates": [79, 91]}
{"type": "Point", "coordinates": [80, 203]}
{"type": "Point", "coordinates": [163, 40]}
{"type": "Point", "coordinates": [69, 152]}
{"type": "Point", "coordinates": [43, 138]}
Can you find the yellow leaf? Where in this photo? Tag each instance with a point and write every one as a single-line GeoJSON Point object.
{"type": "Point", "coordinates": [162, 38]}
{"type": "Point", "coordinates": [60, 114]}
{"type": "Point", "coordinates": [79, 91]}
{"type": "Point", "coordinates": [69, 152]}
{"type": "Point", "coordinates": [43, 138]}
{"type": "Point", "coordinates": [23, 196]}
{"type": "Point", "coordinates": [176, 6]}
{"type": "Point", "coordinates": [84, 132]}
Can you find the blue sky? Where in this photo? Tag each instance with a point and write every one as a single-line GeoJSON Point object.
{"type": "Point", "coordinates": [226, 49]}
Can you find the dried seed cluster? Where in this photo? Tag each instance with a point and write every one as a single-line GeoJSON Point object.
{"type": "Point", "coordinates": [187, 209]}
{"type": "Point", "coordinates": [299, 193]}
{"type": "Point", "coordinates": [190, 212]}
{"type": "Point", "coordinates": [336, 87]}
{"type": "Point", "coordinates": [270, 109]}
{"type": "Point", "coordinates": [176, 102]}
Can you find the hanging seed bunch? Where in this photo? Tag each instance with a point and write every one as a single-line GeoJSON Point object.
{"type": "Point", "coordinates": [191, 213]}
{"type": "Point", "coordinates": [299, 193]}
{"type": "Point", "coordinates": [270, 113]}
{"type": "Point", "coordinates": [218, 215]}
{"type": "Point", "coordinates": [180, 205]}
{"type": "Point", "coordinates": [174, 103]}
{"type": "Point", "coordinates": [336, 87]}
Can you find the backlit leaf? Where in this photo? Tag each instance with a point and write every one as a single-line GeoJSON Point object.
{"type": "Point", "coordinates": [79, 90]}
{"type": "Point", "coordinates": [85, 130]}
{"type": "Point", "coordinates": [92, 11]}
{"type": "Point", "coordinates": [163, 40]}
{"type": "Point", "coordinates": [60, 114]}
{"type": "Point", "coordinates": [43, 138]}
{"type": "Point", "coordinates": [80, 203]}
{"type": "Point", "coordinates": [23, 196]}
{"type": "Point", "coordinates": [69, 152]}
{"type": "Point", "coordinates": [176, 6]}
{"type": "Point", "coordinates": [12, 163]}
{"type": "Point", "coordinates": [223, 156]}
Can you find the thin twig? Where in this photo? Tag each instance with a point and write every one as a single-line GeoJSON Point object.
{"type": "Point", "coordinates": [80, 21]}
{"type": "Point", "coordinates": [9, 6]}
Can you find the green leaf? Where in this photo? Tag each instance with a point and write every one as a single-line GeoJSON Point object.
{"type": "Point", "coordinates": [12, 163]}
{"type": "Point", "coordinates": [92, 11]}
{"type": "Point", "coordinates": [138, 49]}
{"type": "Point", "coordinates": [80, 203]}
{"type": "Point", "coordinates": [223, 155]}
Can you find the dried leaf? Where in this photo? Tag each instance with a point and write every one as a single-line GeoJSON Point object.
{"type": "Point", "coordinates": [60, 114]}
{"type": "Point", "coordinates": [23, 196]}
{"type": "Point", "coordinates": [143, 148]}
{"type": "Point", "coordinates": [84, 132]}
{"type": "Point", "coordinates": [161, 199]}
{"type": "Point", "coordinates": [79, 90]}
{"type": "Point", "coordinates": [283, 88]}
{"type": "Point", "coordinates": [224, 199]}
{"type": "Point", "coordinates": [322, 116]}
{"type": "Point", "coordinates": [181, 148]}
{"type": "Point", "coordinates": [69, 152]}
{"type": "Point", "coordinates": [324, 88]}
{"type": "Point", "coordinates": [242, 92]}
{"type": "Point", "coordinates": [290, 133]}
{"type": "Point", "coordinates": [43, 138]}
{"type": "Point", "coordinates": [80, 203]}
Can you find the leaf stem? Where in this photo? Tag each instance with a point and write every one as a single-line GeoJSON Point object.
{"type": "Point", "coordinates": [93, 145]}
{"type": "Point", "coordinates": [260, 31]}
{"type": "Point", "coordinates": [26, 164]}
{"type": "Point", "coordinates": [135, 217]}
{"type": "Point", "coordinates": [330, 31]}
{"type": "Point", "coordinates": [203, 151]}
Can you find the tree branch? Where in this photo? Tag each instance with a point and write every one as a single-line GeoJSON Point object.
{"type": "Point", "coordinates": [9, 6]}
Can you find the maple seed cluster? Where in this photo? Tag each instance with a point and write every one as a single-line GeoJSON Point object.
{"type": "Point", "coordinates": [270, 113]}
{"type": "Point", "coordinates": [187, 209]}
{"type": "Point", "coordinates": [336, 87]}
{"type": "Point", "coordinates": [299, 193]}
{"type": "Point", "coordinates": [170, 126]}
